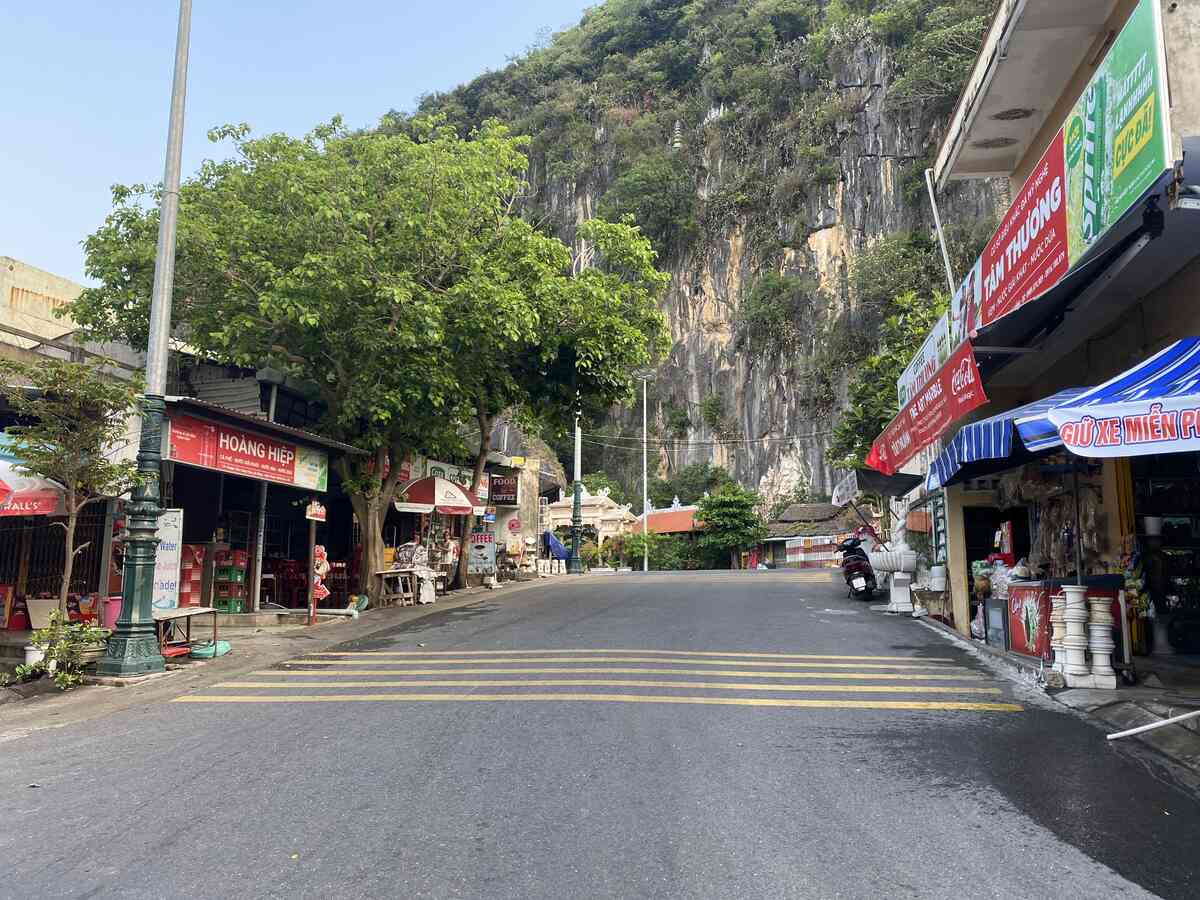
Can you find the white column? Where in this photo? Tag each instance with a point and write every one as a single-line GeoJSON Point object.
{"type": "Point", "coordinates": [1058, 630]}
{"type": "Point", "coordinates": [1076, 642]}
{"type": "Point", "coordinates": [1101, 643]}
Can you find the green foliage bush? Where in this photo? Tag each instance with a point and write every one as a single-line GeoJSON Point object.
{"type": "Point", "coordinates": [659, 193]}
{"type": "Point", "coordinates": [777, 316]}
{"type": "Point", "coordinates": [689, 484]}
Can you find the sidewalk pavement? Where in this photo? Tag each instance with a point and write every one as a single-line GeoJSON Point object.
{"type": "Point", "coordinates": [1166, 691]}
{"type": "Point", "coordinates": [31, 707]}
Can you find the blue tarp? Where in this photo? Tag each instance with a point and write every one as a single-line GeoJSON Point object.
{"type": "Point", "coordinates": [987, 440]}
{"type": "Point", "coordinates": [554, 546]}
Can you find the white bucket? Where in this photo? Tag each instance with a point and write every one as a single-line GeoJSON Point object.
{"type": "Point", "coordinates": [1153, 525]}
{"type": "Point", "coordinates": [937, 578]}
{"type": "Point", "coordinates": [33, 654]}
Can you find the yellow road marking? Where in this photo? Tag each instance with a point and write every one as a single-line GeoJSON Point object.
{"type": "Point", "coordinates": [601, 698]}
{"type": "Point", "coordinates": [684, 653]}
{"type": "Point", "coordinates": [590, 670]}
{"type": "Point", "coordinates": [616, 682]}
{"type": "Point", "coordinates": [376, 661]}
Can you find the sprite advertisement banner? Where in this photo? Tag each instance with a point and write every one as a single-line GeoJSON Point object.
{"type": "Point", "coordinates": [1111, 150]}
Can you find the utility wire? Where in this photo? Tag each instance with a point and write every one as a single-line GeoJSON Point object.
{"type": "Point", "coordinates": [636, 443]}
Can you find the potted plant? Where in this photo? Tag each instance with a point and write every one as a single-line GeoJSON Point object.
{"type": "Point", "coordinates": [66, 647]}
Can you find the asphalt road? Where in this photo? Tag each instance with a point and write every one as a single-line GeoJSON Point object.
{"type": "Point", "coordinates": [719, 735]}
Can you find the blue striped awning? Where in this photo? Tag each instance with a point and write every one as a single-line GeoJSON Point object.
{"type": "Point", "coordinates": [987, 439]}
{"type": "Point", "coordinates": [1171, 377]}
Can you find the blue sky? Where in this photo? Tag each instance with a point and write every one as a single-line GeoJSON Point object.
{"type": "Point", "coordinates": [86, 85]}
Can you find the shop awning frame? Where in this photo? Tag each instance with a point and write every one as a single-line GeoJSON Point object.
{"type": "Point", "coordinates": [987, 446]}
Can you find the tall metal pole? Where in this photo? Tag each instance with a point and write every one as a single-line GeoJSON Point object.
{"type": "Point", "coordinates": [133, 648]}
{"type": "Point", "coordinates": [574, 562]}
{"type": "Point", "coordinates": [937, 221]}
{"type": "Point", "coordinates": [645, 484]}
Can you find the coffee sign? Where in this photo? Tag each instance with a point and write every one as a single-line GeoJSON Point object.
{"type": "Point", "coordinates": [504, 490]}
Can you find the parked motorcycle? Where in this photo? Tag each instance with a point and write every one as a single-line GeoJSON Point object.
{"type": "Point", "coordinates": [857, 570]}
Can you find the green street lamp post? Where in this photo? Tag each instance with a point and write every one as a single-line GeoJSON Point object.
{"type": "Point", "coordinates": [133, 648]}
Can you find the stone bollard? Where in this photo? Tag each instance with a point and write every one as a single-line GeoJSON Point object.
{"type": "Point", "coordinates": [1101, 643]}
{"type": "Point", "coordinates": [1076, 642]}
{"type": "Point", "coordinates": [1058, 630]}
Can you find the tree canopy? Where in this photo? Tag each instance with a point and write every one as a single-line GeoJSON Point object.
{"type": "Point", "coordinates": [393, 272]}
{"type": "Point", "coordinates": [689, 484]}
{"type": "Point", "coordinates": [731, 522]}
{"type": "Point", "coordinates": [75, 423]}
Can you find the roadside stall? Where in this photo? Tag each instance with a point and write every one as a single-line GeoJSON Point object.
{"type": "Point", "coordinates": [443, 507]}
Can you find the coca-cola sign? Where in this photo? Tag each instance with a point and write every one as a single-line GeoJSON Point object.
{"type": "Point", "coordinates": [953, 392]}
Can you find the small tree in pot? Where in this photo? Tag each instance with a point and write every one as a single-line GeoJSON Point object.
{"type": "Point", "coordinates": [75, 417]}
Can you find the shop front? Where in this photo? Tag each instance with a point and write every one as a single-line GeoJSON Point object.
{"type": "Point", "coordinates": [238, 489]}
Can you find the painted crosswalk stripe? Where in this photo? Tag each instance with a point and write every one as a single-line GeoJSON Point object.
{"type": "Point", "coordinates": [602, 698]}
{"type": "Point", "coordinates": [377, 661]}
{"type": "Point", "coordinates": [942, 674]}
{"type": "Point", "coordinates": [617, 682]}
{"type": "Point", "coordinates": [434, 654]}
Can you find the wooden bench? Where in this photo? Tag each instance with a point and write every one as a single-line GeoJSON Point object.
{"type": "Point", "coordinates": [397, 585]}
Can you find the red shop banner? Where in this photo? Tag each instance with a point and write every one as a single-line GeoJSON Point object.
{"type": "Point", "coordinates": [954, 391]}
{"type": "Point", "coordinates": [211, 445]}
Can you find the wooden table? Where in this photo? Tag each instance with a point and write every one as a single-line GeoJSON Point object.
{"type": "Point", "coordinates": [167, 622]}
{"type": "Point", "coordinates": [397, 585]}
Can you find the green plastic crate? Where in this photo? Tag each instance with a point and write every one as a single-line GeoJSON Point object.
{"type": "Point", "coordinates": [228, 604]}
{"type": "Point", "coordinates": [230, 574]}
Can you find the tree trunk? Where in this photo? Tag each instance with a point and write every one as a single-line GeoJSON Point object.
{"type": "Point", "coordinates": [485, 421]}
{"type": "Point", "coordinates": [734, 559]}
{"type": "Point", "coordinates": [371, 511]}
{"type": "Point", "coordinates": [69, 550]}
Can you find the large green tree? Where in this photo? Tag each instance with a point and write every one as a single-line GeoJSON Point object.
{"type": "Point", "coordinates": [75, 418]}
{"type": "Point", "coordinates": [689, 484]}
{"type": "Point", "coordinates": [731, 522]}
{"type": "Point", "coordinates": [392, 272]}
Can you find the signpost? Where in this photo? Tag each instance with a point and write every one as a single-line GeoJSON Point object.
{"type": "Point", "coordinates": [481, 558]}
{"type": "Point", "coordinates": [504, 490]}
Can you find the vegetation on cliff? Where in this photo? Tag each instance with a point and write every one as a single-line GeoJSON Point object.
{"type": "Point", "coordinates": [706, 119]}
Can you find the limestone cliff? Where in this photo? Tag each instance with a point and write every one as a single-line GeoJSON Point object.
{"type": "Point", "coordinates": [750, 139]}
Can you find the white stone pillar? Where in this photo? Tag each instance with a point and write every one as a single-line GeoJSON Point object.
{"type": "Point", "coordinates": [1076, 642]}
{"type": "Point", "coordinates": [1101, 643]}
{"type": "Point", "coordinates": [1058, 630]}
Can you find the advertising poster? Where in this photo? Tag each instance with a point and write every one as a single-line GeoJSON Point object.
{"type": "Point", "coordinates": [954, 391]}
{"type": "Point", "coordinates": [504, 490]}
{"type": "Point", "coordinates": [167, 559]}
{"type": "Point", "coordinates": [481, 558]}
{"type": "Point", "coordinates": [934, 352]}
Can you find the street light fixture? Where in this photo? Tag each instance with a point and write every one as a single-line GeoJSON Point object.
{"type": "Point", "coordinates": [133, 648]}
{"type": "Point", "coordinates": [646, 376]}
{"type": "Point", "coordinates": [574, 562]}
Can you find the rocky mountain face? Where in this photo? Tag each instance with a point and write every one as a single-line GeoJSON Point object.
{"type": "Point", "coordinates": [766, 146]}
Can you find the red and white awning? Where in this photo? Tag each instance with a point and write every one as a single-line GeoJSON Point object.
{"type": "Point", "coordinates": [28, 495]}
{"type": "Point", "coordinates": [433, 493]}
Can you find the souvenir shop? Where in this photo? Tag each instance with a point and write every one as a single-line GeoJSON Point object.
{"type": "Point", "coordinates": [1097, 487]}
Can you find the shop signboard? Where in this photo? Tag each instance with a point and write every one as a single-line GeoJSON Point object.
{"type": "Point", "coordinates": [1113, 147]}
{"type": "Point", "coordinates": [846, 489]}
{"type": "Point", "coordinates": [168, 557]}
{"type": "Point", "coordinates": [460, 475]}
{"type": "Point", "coordinates": [928, 360]}
{"type": "Point", "coordinates": [1138, 428]}
{"type": "Point", "coordinates": [481, 558]}
{"type": "Point", "coordinates": [504, 490]}
{"type": "Point", "coordinates": [954, 391]}
{"type": "Point", "coordinates": [315, 511]}
{"type": "Point", "coordinates": [225, 448]}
